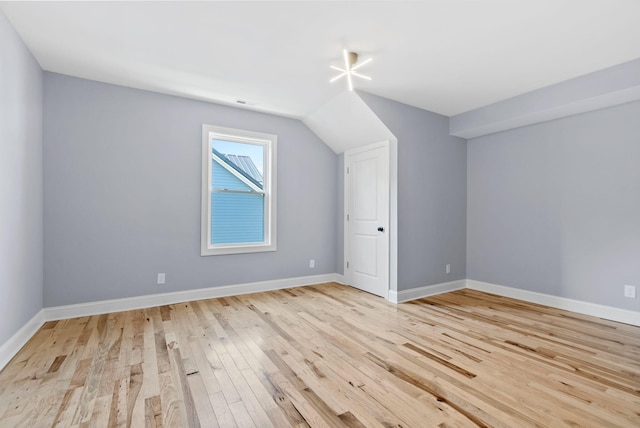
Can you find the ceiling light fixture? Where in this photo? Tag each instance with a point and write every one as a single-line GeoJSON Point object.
{"type": "Point", "coordinates": [350, 67]}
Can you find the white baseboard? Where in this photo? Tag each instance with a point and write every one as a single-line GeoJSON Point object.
{"type": "Point", "coordinates": [140, 302]}
{"type": "Point", "coordinates": [578, 306]}
{"type": "Point", "coordinates": [20, 338]}
{"type": "Point", "coordinates": [586, 308]}
{"type": "Point", "coordinates": [17, 341]}
{"type": "Point", "coordinates": [426, 291]}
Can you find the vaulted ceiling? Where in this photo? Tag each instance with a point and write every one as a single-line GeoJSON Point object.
{"type": "Point", "coordinates": [444, 56]}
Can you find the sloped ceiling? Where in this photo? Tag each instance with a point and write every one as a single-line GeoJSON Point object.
{"type": "Point", "coordinates": [615, 85]}
{"type": "Point", "coordinates": [347, 122]}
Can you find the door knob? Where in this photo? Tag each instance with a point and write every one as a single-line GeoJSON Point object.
{"type": "Point", "coordinates": [381, 229]}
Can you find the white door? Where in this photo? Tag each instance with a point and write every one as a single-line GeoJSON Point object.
{"type": "Point", "coordinates": [367, 218]}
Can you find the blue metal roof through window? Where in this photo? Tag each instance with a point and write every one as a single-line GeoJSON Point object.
{"type": "Point", "coordinates": [246, 164]}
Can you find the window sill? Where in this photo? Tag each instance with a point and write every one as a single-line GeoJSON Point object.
{"type": "Point", "coordinates": [244, 249]}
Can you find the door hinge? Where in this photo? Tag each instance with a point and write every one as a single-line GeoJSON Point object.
{"type": "Point", "coordinates": [347, 265]}
{"type": "Point", "coordinates": [347, 217]}
{"type": "Point", "coordinates": [347, 170]}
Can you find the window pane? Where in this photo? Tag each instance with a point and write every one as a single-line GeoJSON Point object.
{"type": "Point", "coordinates": [246, 158]}
{"type": "Point", "coordinates": [237, 218]}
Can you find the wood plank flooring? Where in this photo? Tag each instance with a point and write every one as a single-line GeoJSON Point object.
{"type": "Point", "coordinates": [328, 355]}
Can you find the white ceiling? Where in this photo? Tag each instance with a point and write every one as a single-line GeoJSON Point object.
{"type": "Point", "coordinates": [446, 56]}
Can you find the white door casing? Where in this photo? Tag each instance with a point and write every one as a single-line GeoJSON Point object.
{"type": "Point", "coordinates": [367, 218]}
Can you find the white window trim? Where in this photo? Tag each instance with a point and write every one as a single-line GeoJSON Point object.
{"type": "Point", "coordinates": [269, 141]}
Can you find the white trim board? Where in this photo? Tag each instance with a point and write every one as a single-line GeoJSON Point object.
{"type": "Point", "coordinates": [426, 291]}
{"type": "Point", "coordinates": [140, 302]}
{"type": "Point", "coordinates": [11, 347]}
{"type": "Point", "coordinates": [601, 311]}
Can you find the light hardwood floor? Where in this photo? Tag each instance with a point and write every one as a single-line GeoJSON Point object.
{"type": "Point", "coordinates": [328, 355]}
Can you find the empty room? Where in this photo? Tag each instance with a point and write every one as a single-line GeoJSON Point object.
{"type": "Point", "coordinates": [320, 213]}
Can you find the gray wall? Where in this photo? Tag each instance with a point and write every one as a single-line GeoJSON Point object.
{"type": "Point", "coordinates": [340, 216]}
{"type": "Point", "coordinates": [431, 194]}
{"type": "Point", "coordinates": [20, 183]}
{"type": "Point", "coordinates": [122, 194]}
{"type": "Point", "coordinates": [555, 207]}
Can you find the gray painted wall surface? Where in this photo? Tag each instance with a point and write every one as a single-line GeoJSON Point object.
{"type": "Point", "coordinates": [122, 194]}
{"type": "Point", "coordinates": [431, 194]}
{"type": "Point", "coordinates": [555, 207]}
{"type": "Point", "coordinates": [340, 216]}
{"type": "Point", "coordinates": [20, 183]}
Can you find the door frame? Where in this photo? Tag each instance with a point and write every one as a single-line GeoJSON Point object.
{"type": "Point", "coordinates": [390, 235]}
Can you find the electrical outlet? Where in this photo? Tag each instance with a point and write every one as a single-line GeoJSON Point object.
{"type": "Point", "coordinates": [630, 291]}
{"type": "Point", "coordinates": [312, 263]}
{"type": "Point", "coordinates": [448, 268]}
{"type": "Point", "coordinates": [161, 278]}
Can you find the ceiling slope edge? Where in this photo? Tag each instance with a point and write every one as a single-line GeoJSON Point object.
{"type": "Point", "coordinates": [347, 122]}
{"type": "Point", "coordinates": [605, 88]}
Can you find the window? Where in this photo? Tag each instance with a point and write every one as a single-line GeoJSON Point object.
{"type": "Point", "coordinates": [238, 191]}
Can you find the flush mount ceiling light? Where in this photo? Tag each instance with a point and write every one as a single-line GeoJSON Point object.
{"type": "Point", "coordinates": [350, 67]}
